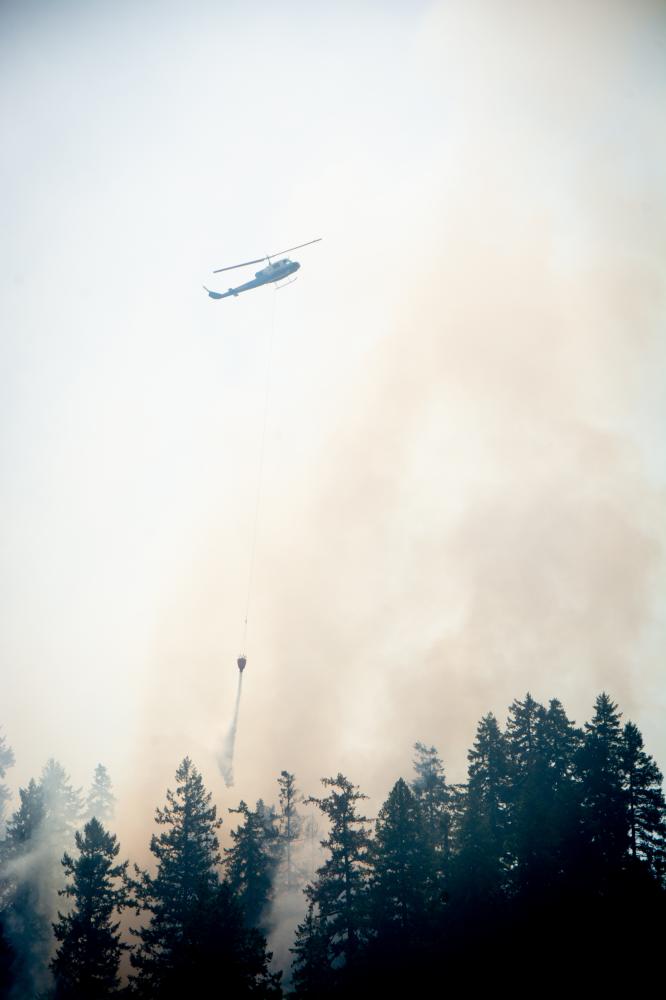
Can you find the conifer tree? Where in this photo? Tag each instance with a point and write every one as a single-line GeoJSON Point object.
{"type": "Point", "coordinates": [250, 862]}
{"type": "Point", "coordinates": [6, 761]}
{"type": "Point", "coordinates": [62, 803]}
{"type": "Point", "coordinates": [87, 960]}
{"type": "Point", "coordinates": [339, 889]}
{"type": "Point", "coordinates": [482, 858]}
{"type": "Point", "coordinates": [402, 873]}
{"type": "Point", "coordinates": [522, 731]}
{"type": "Point", "coordinates": [195, 931]}
{"type": "Point", "coordinates": [434, 798]}
{"type": "Point", "coordinates": [646, 806]}
{"type": "Point", "coordinates": [529, 801]}
{"type": "Point", "coordinates": [26, 870]}
{"type": "Point", "coordinates": [311, 975]}
{"type": "Point", "coordinates": [289, 825]}
{"type": "Point", "coordinates": [605, 806]}
{"type": "Point", "coordinates": [101, 801]}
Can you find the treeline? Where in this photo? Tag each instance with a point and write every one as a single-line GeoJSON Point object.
{"type": "Point", "coordinates": [547, 867]}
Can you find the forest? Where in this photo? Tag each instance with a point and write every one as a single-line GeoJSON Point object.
{"type": "Point", "coordinates": [544, 870]}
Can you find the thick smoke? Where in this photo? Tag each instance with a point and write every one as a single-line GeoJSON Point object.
{"type": "Point", "coordinates": [466, 503]}
{"type": "Point", "coordinates": [41, 830]}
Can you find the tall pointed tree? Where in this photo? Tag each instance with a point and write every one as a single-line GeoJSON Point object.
{"type": "Point", "coordinates": [86, 964]}
{"type": "Point", "coordinates": [101, 802]}
{"type": "Point", "coordinates": [311, 966]}
{"type": "Point", "coordinates": [26, 870]}
{"type": "Point", "coordinates": [434, 798]}
{"type": "Point", "coordinates": [6, 761]}
{"type": "Point", "coordinates": [528, 801]}
{"type": "Point", "coordinates": [645, 800]}
{"type": "Point", "coordinates": [289, 826]}
{"type": "Point", "coordinates": [339, 888]}
{"type": "Point", "coordinates": [250, 862]}
{"type": "Point", "coordinates": [482, 858]}
{"type": "Point", "coordinates": [402, 877]}
{"type": "Point", "coordinates": [605, 804]}
{"type": "Point", "coordinates": [187, 857]}
{"type": "Point", "coordinates": [195, 929]}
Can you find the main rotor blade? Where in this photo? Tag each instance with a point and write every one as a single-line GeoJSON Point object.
{"type": "Point", "coordinates": [246, 263]}
{"type": "Point", "coordinates": [268, 256]}
{"type": "Point", "coordinates": [289, 249]}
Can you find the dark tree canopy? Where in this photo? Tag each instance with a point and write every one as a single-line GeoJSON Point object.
{"type": "Point", "coordinates": [86, 964]}
{"type": "Point", "coordinates": [195, 926]}
{"type": "Point", "coordinates": [550, 858]}
{"type": "Point", "coordinates": [339, 889]}
{"type": "Point", "coordinates": [250, 862]}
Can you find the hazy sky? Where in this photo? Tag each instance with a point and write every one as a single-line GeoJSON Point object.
{"type": "Point", "coordinates": [464, 485]}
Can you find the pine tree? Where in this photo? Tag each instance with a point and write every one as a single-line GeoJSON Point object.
{"type": "Point", "coordinates": [195, 931]}
{"type": "Point", "coordinates": [101, 801]}
{"type": "Point", "coordinates": [605, 805]}
{"type": "Point", "coordinates": [522, 730]}
{"type": "Point", "coordinates": [402, 873]}
{"type": "Point", "coordinates": [339, 888]}
{"type": "Point", "coordinates": [311, 976]}
{"type": "Point", "coordinates": [482, 858]}
{"type": "Point", "coordinates": [6, 761]}
{"type": "Point", "coordinates": [26, 870]}
{"type": "Point", "coordinates": [646, 806]}
{"type": "Point", "coordinates": [289, 826]}
{"type": "Point", "coordinates": [529, 798]}
{"type": "Point", "coordinates": [62, 803]}
{"type": "Point", "coordinates": [250, 862]}
{"type": "Point", "coordinates": [87, 960]}
{"type": "Point", "coordinates": [434, 798]}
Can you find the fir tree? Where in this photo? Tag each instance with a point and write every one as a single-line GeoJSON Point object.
{"type": "Point", "coordinates": [482, 859]}
{"type": "Point", "coordinates": [605, 806]}
{"type": "Point", "coordinates": [26, 904]}
{"type": "Point", "coordinates": [402, 873]}
{"type": "Point", "coordinates": [646, 807]}
{"type": "Point", "coordinates": [101, 801]}
{"type": "Point", "coordinates": [289, 826]}
{"type": "Point", "coordinates": [195, 930]}
{"type": "Point", "coordinates": [434, 798]}
{"type": "Point", "coordinates": [311, 977]}
{"type": "Point", "coordinates": [250, 862]}
{"type": "Point", "coordinates": [6, 761]}
{"type": "Point", "coordinates": [529, 798]}
{"type": "Point", "coordinates": [522, 731]}
{"type": "Point", "coordinates": [87, 960]}
{"type": "Point", "coordinates": [339, 888]}
{"type": "Point", "coordinates": [62, 803]}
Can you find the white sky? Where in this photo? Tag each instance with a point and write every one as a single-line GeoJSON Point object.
{"type": "Point", "coordinates": [464, 481]}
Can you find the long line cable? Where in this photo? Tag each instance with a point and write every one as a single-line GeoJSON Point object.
{"type": "Point", "coordinates": [260, 476]}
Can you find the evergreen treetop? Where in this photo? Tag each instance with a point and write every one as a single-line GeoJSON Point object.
{"type": "Point", "coordinates": [101, 801]}
{"type": "Point", "coordinates": [86, 964]}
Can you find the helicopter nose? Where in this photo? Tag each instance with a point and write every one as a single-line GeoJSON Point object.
{"type": "Point", "coordinates": [296, 265]}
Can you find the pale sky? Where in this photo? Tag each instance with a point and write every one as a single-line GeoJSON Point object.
{"type": "Point", "coordinates": [464, 484]}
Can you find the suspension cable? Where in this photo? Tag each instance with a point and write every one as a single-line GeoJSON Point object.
{"type": "Point", "coordinates": [260, 476]}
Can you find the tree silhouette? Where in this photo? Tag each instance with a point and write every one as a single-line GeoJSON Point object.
{"type": "Point", "coordinates": [101, 801]}
{"type": "Point", "coordinates": [87, 960]}
{"type": "Point", "coordinates": [195, 931]}
{"type": "Point", "coordinates": [339, 888]}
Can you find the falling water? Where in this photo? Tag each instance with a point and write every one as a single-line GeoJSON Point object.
{"type": "Point", "coordinates": [226, 756]}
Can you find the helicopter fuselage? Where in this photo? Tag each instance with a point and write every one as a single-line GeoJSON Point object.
{"type": "Point", "coordinates": [274, 271]}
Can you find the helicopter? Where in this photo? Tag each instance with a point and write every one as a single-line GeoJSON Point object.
{"type": "Point", "coordinates": [275, 270]}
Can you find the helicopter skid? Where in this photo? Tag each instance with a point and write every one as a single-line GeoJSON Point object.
{"type": "Point", "coordinates": [284, 284]}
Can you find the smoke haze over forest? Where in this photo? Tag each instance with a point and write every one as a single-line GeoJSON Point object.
{"type": "Point", "coordinates": [464, 487]}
